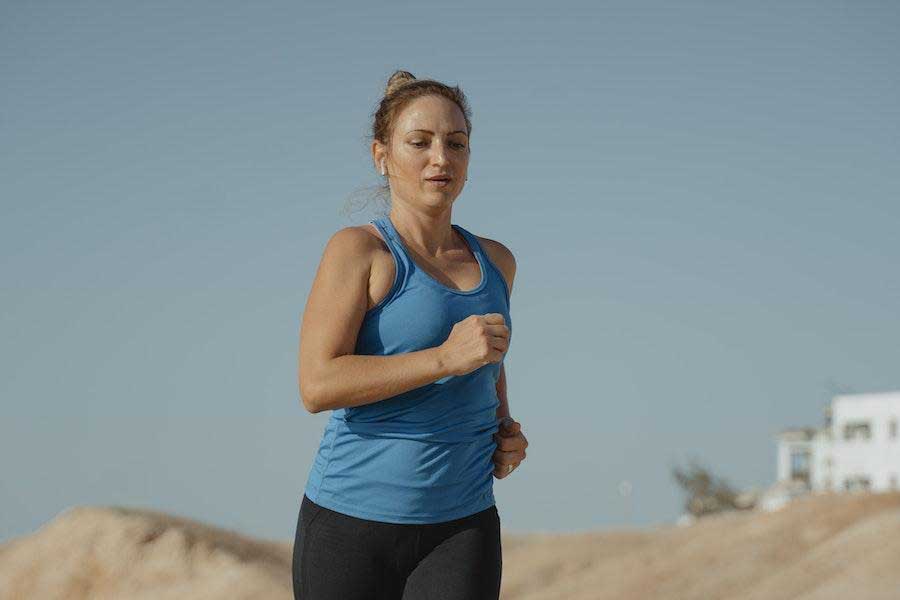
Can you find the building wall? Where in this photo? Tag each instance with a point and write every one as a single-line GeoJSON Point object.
{"type": "Point", "coordinates": [784, 459]}
{"type": "Point", "coordinates": [822, 479]}
{"type": "Point", "coordinates": [875, 457]}
{"type": "Point", "coordinates": [795, 457]}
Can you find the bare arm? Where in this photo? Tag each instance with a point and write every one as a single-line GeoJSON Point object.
{"type": "Point", "coordinates": [356, 379]}
{"type": "Point", "coordinates": [329, 375]}
{"type": "Point", "coordinates": [504, 259]}
{"type": "Point", "coordinates": [503, 408]}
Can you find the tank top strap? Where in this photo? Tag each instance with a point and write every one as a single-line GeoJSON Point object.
{"type": "Point", "coordinates": [494, 271]}
{"type": "Point", "coordinates": [402, 262]}
{"type": "Point", "coordinates": [409, 266]}
{"type": "Point", "coordinates": [473, 244]}
{"type": "Point", "coordinates": [387, 229]}
{"type": "Point", "coordinates": [386, 226]}
{"type": "Point", "coordinates": [391, 238]}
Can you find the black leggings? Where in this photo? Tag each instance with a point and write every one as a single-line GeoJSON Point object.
{"type": "Point", "coordinates": [340, 557]}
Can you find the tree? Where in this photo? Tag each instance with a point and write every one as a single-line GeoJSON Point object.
{"type": "Point", "coordinates": [706, 493]}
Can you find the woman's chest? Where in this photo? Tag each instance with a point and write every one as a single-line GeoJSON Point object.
{"type": "Point", "coordinates": [421, 317]}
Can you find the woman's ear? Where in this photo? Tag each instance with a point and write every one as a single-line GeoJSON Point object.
{"type": "Point", "coordinates": [378, 156]}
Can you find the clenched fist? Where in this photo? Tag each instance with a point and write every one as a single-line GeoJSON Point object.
{"type": "Point", "coordinates": [474, 342]}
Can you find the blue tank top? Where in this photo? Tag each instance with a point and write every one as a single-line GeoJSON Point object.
{"type": "Point", "coordinates": [426, 455]}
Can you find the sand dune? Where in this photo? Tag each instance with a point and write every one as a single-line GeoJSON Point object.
{"type": "Point", "coordinates": [101, 553]}
{"type": "Point", "coordinates": [817, 548]}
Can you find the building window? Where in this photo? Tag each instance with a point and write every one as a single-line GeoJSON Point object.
{"type": "Point", "coordinates": [857, 430]}
{"type": "Point", "coordinates": [893, 481]}
{"type": "Point", "coordinates": [857, 483]}
{"type": "Point", "coordinates": [892, 429]}
{"type": "Point", "coordinates": [800, 464]}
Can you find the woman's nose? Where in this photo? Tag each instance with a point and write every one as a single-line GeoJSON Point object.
{"type": "Point", "coordinates": [438, 155]}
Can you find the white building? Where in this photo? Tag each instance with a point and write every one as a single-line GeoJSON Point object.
{"type": "Point", "coordinates": [858, 448]}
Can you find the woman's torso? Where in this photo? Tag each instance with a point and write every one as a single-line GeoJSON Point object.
{"type": "Point", "coordinates": [423, 456]}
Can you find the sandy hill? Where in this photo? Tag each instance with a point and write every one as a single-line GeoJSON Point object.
{"type": "Point", "coordinates": [822, 547]}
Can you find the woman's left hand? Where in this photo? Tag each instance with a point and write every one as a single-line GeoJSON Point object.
{"type": "Point", "coordinates": [511, 444]}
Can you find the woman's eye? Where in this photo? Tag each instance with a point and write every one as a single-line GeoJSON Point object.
{"type": "Point", "coordinates": [421, 144]}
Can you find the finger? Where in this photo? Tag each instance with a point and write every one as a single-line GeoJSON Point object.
{"type": "Point", "coordinates": [494, 318]}
{"type": "Point", "coordinates": [499, 343]}
{"type": "Point", "coordinates": [509, 431]}
{"type": "Point", "coordinates": [506, 428]}
{"type": "Point", "coordinates": [507, 443]}
{"type": "Point", "coordinates": [502, 429]}
{"type": "Point", "coordinates": [502, 457]}
{"type": "Point", "coordinates": [503, 467]}
{"type": "Point", "coordinates": [498, 330]}
{"type": "Point", "coordinates": [501, 472]}
{"type": "Point", "coordinates": [512, 426]}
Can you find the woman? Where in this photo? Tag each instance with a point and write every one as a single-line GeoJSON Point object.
{"type": "Point", "coordinates": [403, 338]}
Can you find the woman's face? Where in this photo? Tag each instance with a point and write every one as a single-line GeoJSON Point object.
{"type": "Point", "coordinates": [429, 140]}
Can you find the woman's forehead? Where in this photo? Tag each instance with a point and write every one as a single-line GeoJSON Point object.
{"type": "Point", "coordinates": [432, 114]}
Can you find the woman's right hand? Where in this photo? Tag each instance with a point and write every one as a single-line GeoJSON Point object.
{"type": "Point", "coordinates": [474, 342]}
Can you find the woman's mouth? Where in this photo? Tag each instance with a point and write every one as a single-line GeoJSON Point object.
{"type": "Point", "coordinates": [440, 182]}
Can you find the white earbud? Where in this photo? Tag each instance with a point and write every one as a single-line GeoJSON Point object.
{"type": "Point", "coordinates": [382, 167]}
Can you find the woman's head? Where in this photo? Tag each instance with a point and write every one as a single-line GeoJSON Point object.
{"type": "Point", "coordinates": [421, 130]}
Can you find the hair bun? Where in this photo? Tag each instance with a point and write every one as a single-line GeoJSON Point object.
{"type": "Point", "coordinates": [398, 80]}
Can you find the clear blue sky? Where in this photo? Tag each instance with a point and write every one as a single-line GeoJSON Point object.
{"type": "Point", "coordinates": [702, 199]}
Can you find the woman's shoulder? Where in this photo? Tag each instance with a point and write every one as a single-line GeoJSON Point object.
{"type": "Point", "coordinates": [501, 256]}
{"type": "Point", "coordinates": [356, 236]}
{"type": "Point", "coordinates": [359, 244]}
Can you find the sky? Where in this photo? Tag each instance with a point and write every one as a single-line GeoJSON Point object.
{"type": "Point", "coordinates": [702, 199]}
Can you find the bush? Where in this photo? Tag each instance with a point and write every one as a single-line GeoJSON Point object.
{"type": "Point", "coordinates": [706, 493]}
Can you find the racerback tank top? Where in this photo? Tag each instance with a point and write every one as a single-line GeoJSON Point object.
{"type": "Point", "coordinates": [426, 455]}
